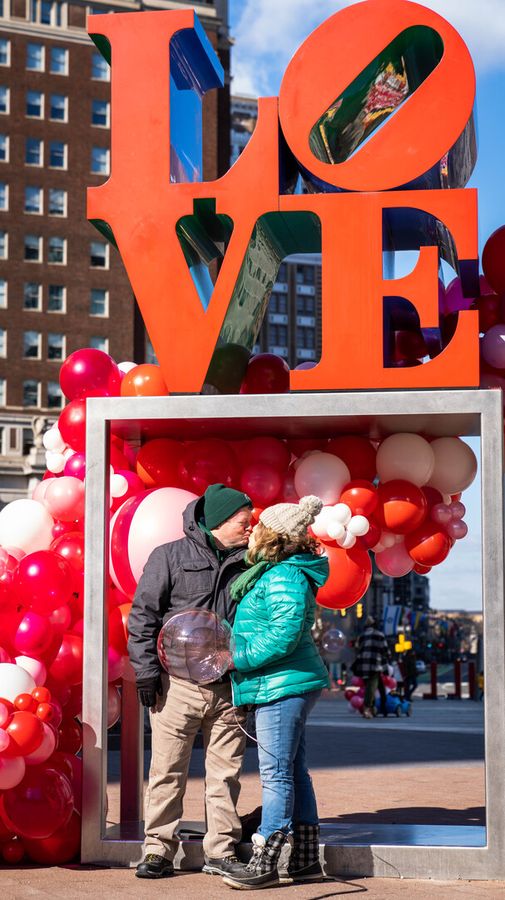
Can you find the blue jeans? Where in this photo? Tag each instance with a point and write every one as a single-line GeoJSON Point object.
{"type": "Point", "coordinates": [287, 792]}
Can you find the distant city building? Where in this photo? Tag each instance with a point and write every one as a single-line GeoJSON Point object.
{"type": "Point", "coordinates": [62, 286]}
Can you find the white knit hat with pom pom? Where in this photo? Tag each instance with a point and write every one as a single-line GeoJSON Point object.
{"type": "Point", "coordinates": [292, 519]}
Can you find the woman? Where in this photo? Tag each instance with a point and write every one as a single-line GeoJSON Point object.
{"type": "Point", "coordinates": [277, 668]}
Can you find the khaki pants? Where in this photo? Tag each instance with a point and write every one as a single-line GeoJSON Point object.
{"type": "Point", "coordinates": [183, 709]}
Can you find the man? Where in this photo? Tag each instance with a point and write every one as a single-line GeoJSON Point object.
{"type": "Point", "coordinates": [193, 572]}
{"type": "Point", "coordinates": [372, 660]}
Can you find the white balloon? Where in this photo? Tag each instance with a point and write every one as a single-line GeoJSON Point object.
{"type": "Point", "coordinates": [387, 539]}
{"type": "Point", "coordinates": [118, 485]}
{"type": "Point", "coordinates": [126, 367]}
{"type": "Point", "coordinates": [321, 522]}
{"type": "Point", "coordinates": [34, 667]}
{"type": "Point", "coordinates": [342, 513]}
{"type": "Point", "coordinates": [347, 541]}
{"type": "Point", "coordinates": [55, 462]}
{"type": "Point", "coordinates": [359, 525]}
{"type": "Point", "coordinates": [26, 524]}
{"type": "Point", "coordinates": [14, 680]}
{"type": "Point", "coordinates": [336, 530]}
{"type": "Point", "coordinates": [68, 453]}
{"type": "Point", "coordinates": [52, 440]}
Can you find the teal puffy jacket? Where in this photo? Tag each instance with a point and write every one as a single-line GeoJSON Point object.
{"type": "Point", "coordinates": [275, 655]}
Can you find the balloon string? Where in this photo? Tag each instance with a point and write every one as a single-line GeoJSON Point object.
{"type": "Point", "coordinates": [253, 738]}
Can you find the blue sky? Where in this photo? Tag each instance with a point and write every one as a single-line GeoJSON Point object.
{"type": "Point", "coordinates": [266, 36]}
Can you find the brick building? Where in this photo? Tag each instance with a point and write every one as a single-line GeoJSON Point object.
{"type": "Point", "coordinates": [62, 287]}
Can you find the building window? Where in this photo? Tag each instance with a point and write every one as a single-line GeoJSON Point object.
{"type": "Point", "coordinates": [4, 148]}
{"type": "Point", "coordinates": [32, 341]}
{"type": "Point", "coordinates": [100, 69]}
{"type": "Point", "coordinates": [57, 203]}
{"type": "Point", "coordinates": [100, 160]}
{"type": "Point", "coordinates": [5, 52]}
{"type": "Point", "coordinates": [306, 337]}
{"type": "Point", "coordinates": [4, 196]}
{"type": "Point", "coordinates": [58, 110]}
{"type": "Point", "coordinates": [59, 61]}
{"type": "Point", "coordinates": [99, 343]}
{"type": "Point", "coordinates": [278, 303]}
{"type": "Point", "coordinates": [33, 248]}
{"type": "Point", "coordinates": [35, 57]}
{"type": "Point", "coordinates": [31, 393]}
{"type": "Point", "coordinates": [3, 391]}
{"type": "Point", "coordinates": [4, 245]}
{"type": "Point", "coordinates": [47, 12]}
{"type": "Point", "coordinates": [35, 104]}
{"type": "Point", "coordinates": [34, 200]}
{"type": "Point", "coordinates": [100, 113]}
{"type": "Point", "coordinates": [56, 298]}
{"type": "Point", "coordinates": [57, 251]}
{"type": "Point", "coordinates": [54, 395]}
{"type": "Point", "coordinates": [282, 274]}
{"type": "Point", "coordinates": [3, 293]}
{"type": "Point", "coordinates": [57, 155]}
{"type": "Point", "coordinates": [99, 255]}
{"type": "Point", "coordinates": [306, 306]}
{"type": "Point", "coordinates": [98, 302]}
{"type": "Point", "coordinates": [56, 346]}
{"type": "Point", "coordinates": [4, 99]}
{"type": "Point", "coordinates": [3, 342]}
{"type": "Point", "coordinates": [34, 152]}
{"type": "Point", "coordinates": [32, 296]}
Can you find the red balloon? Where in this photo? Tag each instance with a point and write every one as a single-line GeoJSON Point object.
{"type": "Point", "coordinates": [489, 308]}
{"type": "Point", "coordinates": [299, 446]}
{"type": "Point", "coordinates": [60, 847]}
{"type": "Point", "coordinates": [262, 483]}
{"type": "Point", "coordinates": [288, 491]}
{"type": "Point", "coordinates": [429, 544]}
{"type": "Point", "coordinates": [209, 461]}
{"type": "Point", "coordinates": [40, 804]}
{"type": "Point", "coordinates": [73, 709]}
{"type": "Point", "coordinates": [89, 373]}
{"type": "Point", "coordinates": [117, 636]}
{"type": "Point", "coordinates": [6, 711]}
{"type": "Point", "coordinates": [44, 579]}
{"type": "Point", "coordinates": [402, 506]}
{"type": "Point", "coordinates": [71, 766]}
{"type": "Point", "coordinates": [61, 619]}
{"type": "Point", "coordinates": [350, 575]}
{"type": "Point", "coordinates": [409, 345]}
{"type": "Point", "coordinates": [25, 703]}
{"type": "Point", "coordinates": [158, 462]}
{"type": "Point", "coordinates": [266, 374]}
{"type": "Point", "coordinates": [361, 497]}
{"type": "Point", "coordinates": [70, 547]}
{"type": "Point", "coordinates": [41, 694]}
{"type": "Point", "coordinates": [67, 667]}
{"type": "Point", "coordinates": [34, 635]}
{"type": "Point", "coordinates": [70, 736]}
{"type": "Point", "coordinates": [268, 450]}
{"type": "Point", "coordinates": [492, 260]}
{"type": "Point", "coordinates": [432, 496]}
{"type": "Point", "coordinates": [13, 851]}
{"type": "Point", "coordinates": [60, 528]}
{"type": "Point", "coordinates": [72, 424]}
{"type": "Point", "coordinates": [371, 538]}
{"type": "Point", "coordinates": [422, 570]}
{"type": "Point", "coordinates": [26, 731]}
{"type": "Point", "coordinates": [357, 453]}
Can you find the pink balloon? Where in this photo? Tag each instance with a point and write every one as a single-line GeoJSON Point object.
{"type": "Point", "coordinates": [12, 772]}
{"type": "Point", "coordinates": [454, 299]}
{"type": "Point", "coordinates": [357, 702]}
{"type": "Point", "coordinates": [4, 740]}
{"type": "Point", "coordinates": [457, 509]}
{"type": "Point", "coordinates": [288, 491]}
{"type": "Point", "coordinates": [441, 514]}
{"type": "Point", "coordinates": [322, 474]}
{"type": "Point", "coordinates": [65, 498]}
{"type": "Point", "coordinates": [457, 529]}
{"type": "Point", "coordinates": [76, 466]}
{"type": "Point", "coordinates": [34, 634]}
{"type": "Point", "coordinates": [116, 664]}
{"type": "Point", "coordinates": [113, 705]}
{"type": "Point", "coordinates": [144, 522]}
{"type": "Point", "coordinates": [394, 561]}
{"type": "Point", "coordinates": [493, 346]}
{"type": "Point", "coordinates": [356, 681]}
{"type": "Point", "coordinates": [40, 491]}
{"type": "Point", "coordinates": [45, 749]}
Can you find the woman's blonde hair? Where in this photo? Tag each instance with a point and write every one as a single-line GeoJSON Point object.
{"type": "Point", "coordinates": [273, 547]}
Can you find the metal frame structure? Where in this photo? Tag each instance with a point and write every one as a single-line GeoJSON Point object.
{"type": "Point", "coordinates": [436, 413]}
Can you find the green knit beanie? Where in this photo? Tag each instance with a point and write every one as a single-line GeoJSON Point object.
{"type": "Point", "coordinates": [221, 502]}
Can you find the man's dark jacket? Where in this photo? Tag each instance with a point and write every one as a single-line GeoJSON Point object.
{"type": "Point", "coordinates": [183, 574]}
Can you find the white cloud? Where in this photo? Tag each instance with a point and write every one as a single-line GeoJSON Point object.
{"type": "Point", "coordinates": [267, 34]}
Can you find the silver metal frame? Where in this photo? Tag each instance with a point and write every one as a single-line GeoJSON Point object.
{"type": "Point", "coordinates": [465, 412]}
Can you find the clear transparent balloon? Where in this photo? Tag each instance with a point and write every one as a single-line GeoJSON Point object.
{"type": "Point", "coordinates": [195, 645]}
{"type": "Point", "coordinates": [332, 644]}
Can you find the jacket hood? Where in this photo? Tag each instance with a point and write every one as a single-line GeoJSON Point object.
{"type": "Point", "coordinates": [190, 518]}
{"type": "Point", "coordinates": [317, 568]}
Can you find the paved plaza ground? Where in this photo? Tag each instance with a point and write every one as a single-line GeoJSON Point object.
{"type": "Point", "coordinates": [428, 769]}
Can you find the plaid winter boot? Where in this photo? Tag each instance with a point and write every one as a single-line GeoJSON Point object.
{"type": "Point", "coordinates": [261, 870]}
{"type": "Point", "coordinates": [304, 862]}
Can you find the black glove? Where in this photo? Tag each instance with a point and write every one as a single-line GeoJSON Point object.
{"type": "Point", "coordinates": [148, 689]}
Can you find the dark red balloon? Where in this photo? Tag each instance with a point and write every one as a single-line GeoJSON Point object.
{"type": "Point", "coordinates": [262, 483]}
{"type": "Point", "coordinates": [299, 446]}
{"type": "Point", "coordinates": [40, 804]}
{"type": "Point", "coordinates": [209, 461]}
{"type": "Point", "coordinates": [70, 736]}
{"type": "Point", "coordinates": [72, 424]}
{"type": "Point", "coordinates": [357, 453]}
{"type": "Point", "coordinates": [493, 258]}
{"type": "Point", "coordinates": [266, 374]}
{"type": "Point", "coordinates": [13, 851]}
{"type": "Point", "coordinates": [268, 450]}
{"type": "Point", "coordinates": [489, 308]}
{"type": "Point", "coordinates": [429, 544]}
{"type": "Point", "coordinates": [62, 846]}
{"type": "Point", "coordinates": [158, 462]}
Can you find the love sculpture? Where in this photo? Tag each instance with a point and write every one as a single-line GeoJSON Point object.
{"type": "Point", "coordinates": [387, 63]}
